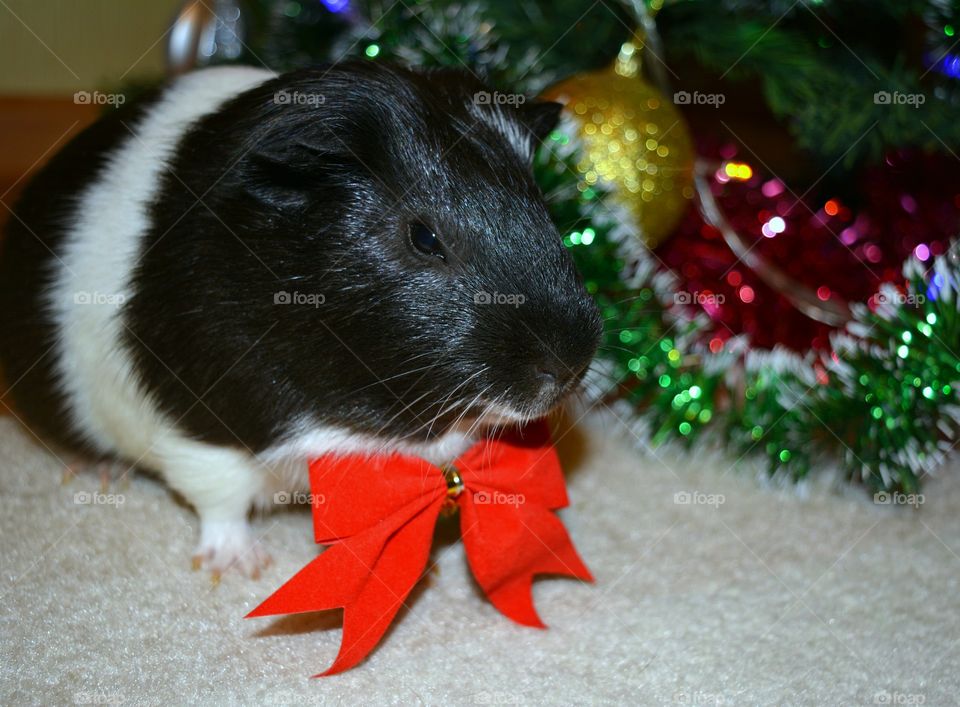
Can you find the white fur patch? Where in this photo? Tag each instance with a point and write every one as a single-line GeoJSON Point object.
{"type": "Point", "coordinates": [309, 439]}
{"type": "Point", "coordinates": [92, 276]}
{"type": "Point", "coordinates": [106, 402]}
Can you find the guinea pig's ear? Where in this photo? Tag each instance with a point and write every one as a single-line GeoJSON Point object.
{"type": "Point", "coordinates": [285, 176]}
{"type": "Point", "coordinates": [541, 118]}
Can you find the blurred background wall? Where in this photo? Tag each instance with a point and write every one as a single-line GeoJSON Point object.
{"type": "Point", "coordinates": [57, 47]}
{"type": "Point", "coordinates": [49, 50]}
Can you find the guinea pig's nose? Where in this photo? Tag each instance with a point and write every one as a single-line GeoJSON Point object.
{"type": "Point", "coordinates": [548, 384]}
{"type": "Point", "coordinates": [555, 376]}
{"type": "Point", "coordinates": [547, 377]}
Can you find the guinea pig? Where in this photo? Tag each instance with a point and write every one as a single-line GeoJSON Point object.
{"type": "Point", "coordinates": [244, 270]}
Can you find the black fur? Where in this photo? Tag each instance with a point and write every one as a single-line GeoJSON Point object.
{"type": "Point", "coordinates": [317, 198]}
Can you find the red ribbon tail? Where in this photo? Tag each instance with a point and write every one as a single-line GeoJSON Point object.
{"type": "Point", "coordinates": [508, 546]}
{"type": "Point", "coordinates": [514, 598]}
{"type": "Point", "coordinates": [398, 568]}
{"type": "Point", "coordinates": [303, 592]}
{"type": "Point", "coordinates": [368, 575]}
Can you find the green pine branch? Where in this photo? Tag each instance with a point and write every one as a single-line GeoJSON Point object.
{"type": "Point", "coordinates": [831, 96]}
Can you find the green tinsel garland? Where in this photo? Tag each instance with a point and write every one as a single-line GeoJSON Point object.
{"type": "Point", "coordinates": [883, 405]}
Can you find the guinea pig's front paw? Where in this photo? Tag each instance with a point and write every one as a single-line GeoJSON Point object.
{"type": "Point", "coordinates": [228, 545]}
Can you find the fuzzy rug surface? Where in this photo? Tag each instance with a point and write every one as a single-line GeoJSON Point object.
{"type": "Point", "coordinates": [733, 594]}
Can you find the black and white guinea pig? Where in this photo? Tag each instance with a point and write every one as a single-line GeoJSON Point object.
{"type": "Point", "coordinates": [246, 270]}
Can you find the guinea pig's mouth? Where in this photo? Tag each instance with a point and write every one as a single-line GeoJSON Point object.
{"type": "Point", "coordinates": [498, 413]}
{"type": "Point", "coordinates": [501, 415]}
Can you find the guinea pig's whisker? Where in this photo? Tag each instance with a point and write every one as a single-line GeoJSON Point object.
{"type": "Point", "coordinates": [593, 399]}
{"type": "Point", "coordinates": [404, 408]}
{"type": "Point", "coordinates": [496, 403]}
{"type": "Point", "coordinates": [493, 409]}
{"type": "Point", "coordinates": [443, 408]}
{"type": "Point", "coordinates": [399, 398]}
{"type": "Point", "coordinates": [498, 429]}
{"type": "Point", "coordinates": [440, 360]}
{"type": "Point", "coordinates": [394, 377]}
{"type": "Point", "coordinates": [614, 330]}
{"type": "Point", "coordinates": [465, 404]}
{"type": "Point", "coordinates": [629, 299]}
{"type": "Point", "coordinates": [580, 395]}
{"type": "Point", "coordinates": [446, 406]}
{"type": "Point", "coordinates": [470, 405]}
{"type": "Point", "coordinates": [383, 380]}
{"type": "Point", "coordinates": [559, 192]}
{"type": "Point", "coordinates": [590, 388]}
{"type": "Point", "coordinates": [418, 356]}
{"type": "Point", "coordinates": [433, 420]}
{"type": "Point", "coordinates": [465, 381]}
{"type": "Point", "coordinates": [610, 347]}
{"type": "Point", "coordinates": [475, 425]}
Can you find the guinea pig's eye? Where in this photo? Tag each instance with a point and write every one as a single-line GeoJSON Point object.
{"type": "Point", "coordinates": [425, 240]}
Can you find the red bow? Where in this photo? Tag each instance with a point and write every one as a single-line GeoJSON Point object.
{"type": "Point", "coordinates": [378, 514]}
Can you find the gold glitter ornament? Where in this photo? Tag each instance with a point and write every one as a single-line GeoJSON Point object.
{"type": "Point", "coordinates": [633, 139]}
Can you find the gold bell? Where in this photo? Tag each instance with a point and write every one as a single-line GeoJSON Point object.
{"type": "Point", "coordinates": [454, 489]}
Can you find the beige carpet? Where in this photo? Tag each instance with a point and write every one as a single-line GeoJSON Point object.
{"type": "Point", "coordinates": [751, 596]}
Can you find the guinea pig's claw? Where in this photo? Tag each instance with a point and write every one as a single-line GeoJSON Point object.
{"type": "Point", "coordinates": [216, 575]}
{"type": "Point", "coordinates": [228, 547]}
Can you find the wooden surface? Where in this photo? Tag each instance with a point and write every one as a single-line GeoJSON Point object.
{"type": "Point", "coordinates": [31, 131]}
